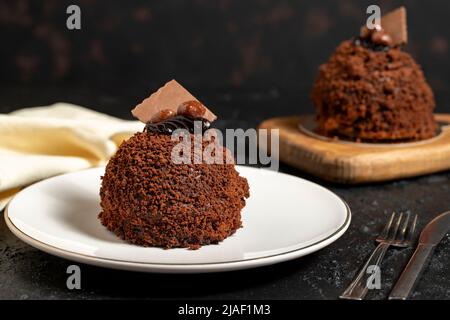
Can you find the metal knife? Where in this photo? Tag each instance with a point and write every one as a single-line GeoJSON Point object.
{"type": "Point", "coordinates": [431, 235]}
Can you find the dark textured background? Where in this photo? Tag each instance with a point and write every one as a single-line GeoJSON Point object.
{"type": "Point", "coordinates": [246, 59]}
{"type": "Point", "coordinates": [271, 47]}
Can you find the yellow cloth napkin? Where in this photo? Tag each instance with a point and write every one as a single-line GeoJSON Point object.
{"type": "Point", "coordinates": [40, 142]}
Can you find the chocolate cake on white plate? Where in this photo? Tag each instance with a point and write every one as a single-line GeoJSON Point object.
{"type": "Point", "coordinates": [149, 200]}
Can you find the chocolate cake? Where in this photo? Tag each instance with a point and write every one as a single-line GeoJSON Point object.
{"type": "Point", "coordinates": [147, 199]}
{"type": "Point", "coordinates": [371, 90]}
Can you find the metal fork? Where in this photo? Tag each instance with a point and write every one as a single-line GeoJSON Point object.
{"type": "Point", "coordinates": [392, 235]}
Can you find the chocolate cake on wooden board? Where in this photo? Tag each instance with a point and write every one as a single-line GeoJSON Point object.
{"type": "Point", "coordinates": [371, 90]}
{"type": "Point", "coordinates": [149, 200]}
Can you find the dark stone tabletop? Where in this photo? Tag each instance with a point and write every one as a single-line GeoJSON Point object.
{"type": "Point", "coordinates": [27, 273]}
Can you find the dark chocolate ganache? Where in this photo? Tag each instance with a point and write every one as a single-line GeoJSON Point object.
{"type": "Point", "coordinates": [367, 43]}
{"type": "Point", "coordinates": [168, 126]}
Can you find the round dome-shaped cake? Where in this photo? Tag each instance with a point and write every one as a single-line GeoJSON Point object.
{"type": "Point", "coordinates": [149, 200]}
{"type": "Point", "coordinates": [377, 94]}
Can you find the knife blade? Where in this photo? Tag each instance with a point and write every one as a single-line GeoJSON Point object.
{"type": "Point", "coordinates": [431, 235]}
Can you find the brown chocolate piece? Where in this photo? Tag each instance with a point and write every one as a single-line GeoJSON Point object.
{"type": "Point", "coordinates": [162, 115]}
{"type": "Point", "coordinates": [381, 37]}
{"type": "Point", "coordinates": [192, 109]}
{"type": "Point", "coordinates": [168, 97]}
{"type": "Point", "coordinates": [365, 32]}
{"type": "Point", "coordinates": [394, 25]}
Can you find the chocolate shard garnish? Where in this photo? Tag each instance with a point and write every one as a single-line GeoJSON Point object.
{"type": "Point", "coordinates": [394, 24]}
{"type": "Point", "coordinates": [167, 98]}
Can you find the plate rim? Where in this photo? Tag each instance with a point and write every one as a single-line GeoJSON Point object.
{"type": "Point", "coordinates": [181, 267]}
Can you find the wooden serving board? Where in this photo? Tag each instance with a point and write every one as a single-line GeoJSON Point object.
{"type": "Point", "coordinates": [353, 163]}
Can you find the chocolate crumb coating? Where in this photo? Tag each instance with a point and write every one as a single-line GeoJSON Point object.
{"type": "Point", "coordinates": [148, 200]}
{"type": "Point", "coordinates": [373, 94]}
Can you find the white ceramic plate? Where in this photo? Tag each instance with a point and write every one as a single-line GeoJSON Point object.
{"type": "Point", "coordinates": [285, 218]}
